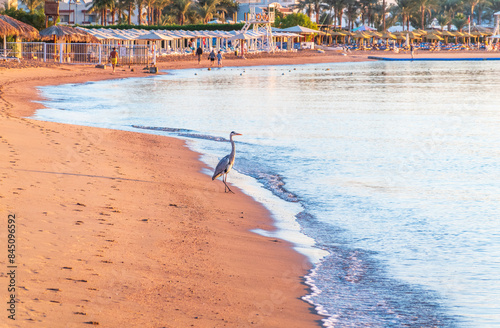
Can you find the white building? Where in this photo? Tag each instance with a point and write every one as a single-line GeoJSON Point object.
{"type": "Point", "coordinates": [259, 5]}
{"type": "Point", "coordinates": [73, 12]}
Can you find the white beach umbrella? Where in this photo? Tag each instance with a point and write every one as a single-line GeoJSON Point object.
{"type": "Point", "coordinates": [154, 36]}
{"type": "Point", "coordinates": [302, 30]}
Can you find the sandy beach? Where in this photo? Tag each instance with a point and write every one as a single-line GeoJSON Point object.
{"type": "Point", "coordinates": [122, 229]}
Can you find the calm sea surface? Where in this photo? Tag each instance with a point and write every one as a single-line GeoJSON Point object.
{"type": "Point", "coordinates": [387, 175]}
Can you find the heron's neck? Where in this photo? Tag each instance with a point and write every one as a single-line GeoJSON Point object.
{"type": "Point", "coordinates": [233, 149]}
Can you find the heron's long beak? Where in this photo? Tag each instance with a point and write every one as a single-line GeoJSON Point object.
{"type": "Point", "coordinates": [237, 134]}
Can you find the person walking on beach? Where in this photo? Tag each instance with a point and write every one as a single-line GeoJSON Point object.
{"type": "Point", "coordinates": [199, 52]}
{"type": "Point", "coordinates": [219, 59]}
{"type": "Point", "coordinates": [113, 58]}
{"type": "Point", "coordinates": [211, 56]}
{"type": "Point", "coordinates": [412, 50]}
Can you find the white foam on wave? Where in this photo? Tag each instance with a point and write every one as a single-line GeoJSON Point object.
{"type": "Point", "coordinates": [288, 229]}
{"type": "Point", "coordinates": [283, 212]}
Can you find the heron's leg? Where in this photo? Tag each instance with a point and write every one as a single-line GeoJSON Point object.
{"type": "Point", "coordinates": [224, 180]}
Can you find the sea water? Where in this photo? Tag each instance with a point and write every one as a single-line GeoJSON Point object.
{"type": "Point", "coordinates": [386, 174]}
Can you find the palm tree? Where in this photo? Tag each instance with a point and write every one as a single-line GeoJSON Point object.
{"type": "Point", "coordinates": [459, 21]}
{"type": "Point", "coordinates": [368, 10]}
{"type": "Point", "coordinates": [449, 8]}
{"type": "Point", "coordinates": [102, 6]}
{"type": "Point", "coordinates": [140, 4]}
{"type": "Point", "coordinates": [207, 8]}
{"type": "Point", "coordinates": [443, 19]}
{"type": "Point", "coordinates": [383, 15]}
{"type": "Point", "coordinates": [472, 4]}
{"type": "Point", "coordinates": [338, 7]}
{"type": "Point", "coordinates": [492, 8]}
{"type": "Point", "coordinates": [403, 10]}
{"type": "Point", "coordinates": [130, 5]}
{"type": "Point", "coordinates": [231, 7]}
{"type": "Point", "coordinates": [180, 8]}
{"type": "Point", "coordinates": [352, 12]}
{"type": "Point", "coordinates": [33, 4]}
{"type": "Point", "coordinates": [159, 8]}
{"type": "Point", "coordinates": [306, 5]}
{"type": "Point", "coordinates": [482, 10]}
{"type": "Point", "coordinates": [426, 7]}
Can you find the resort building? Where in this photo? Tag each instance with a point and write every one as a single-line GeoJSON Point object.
{"type": "Point", "coordinates": [73, 12]}
{"type": "Point", "coordinates": [246, 6]}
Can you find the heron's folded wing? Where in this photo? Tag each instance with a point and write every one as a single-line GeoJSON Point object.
{"type": "Point", "coordinates": [221, 167]}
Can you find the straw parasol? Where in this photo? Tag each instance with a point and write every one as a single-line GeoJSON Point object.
{"type": "Point", "coordinates": [361, 35]}
{"type": "Point", "coordinates": [447, 33]}
{"type": "Point", "coordinates": [11, 26]}
{"type": "Point", "coordinates": [6, 28]}
{"type": "Point", "coordinates": [338, 33]}
{"type": "Point", "coordinates": [18, 28]}
{"type": "Point", "coordinates": [71, 34]}
{"type": "Point", "coordinates": [434, 37]}
{"type": "Point", "coordinates": [388, 35]}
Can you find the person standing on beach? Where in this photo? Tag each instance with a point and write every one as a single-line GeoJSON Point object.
{"type": "Point", "coordinates": [113, 58]}
{"type": "Point", "coordinates": [199, 52]}
{"type": "Point", "coordinates": [219, 59]}
{"type": "Point", "coordinates": [211, 56]}
{"type": "Point", "coordinates": [412, 50]}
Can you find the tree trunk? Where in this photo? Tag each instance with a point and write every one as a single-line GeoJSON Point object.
{"type": "Point", "coordinates": [140, 13]}
{"type": "Point", "coordinates": [472, 12]}
{"type": "Point", "coordinates": [422, 19]}
{"type": "Point", "coordinates": [383, 14]}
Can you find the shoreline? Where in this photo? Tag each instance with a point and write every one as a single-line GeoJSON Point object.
{"type": "Point", "coordinates": [75, 262]}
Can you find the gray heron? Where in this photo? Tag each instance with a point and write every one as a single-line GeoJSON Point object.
{"type": "Point", "coordinates": [226, 164]}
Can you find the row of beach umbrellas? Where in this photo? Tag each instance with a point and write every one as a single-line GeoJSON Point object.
{"type": "Point", "coordinates": [415, 34]}
{"type": "Point", "coordinates": [169, 35]}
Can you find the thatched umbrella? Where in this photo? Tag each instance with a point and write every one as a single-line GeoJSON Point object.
{"type": "Point", "coordinates": [20, 29]}
{"type": "Point", "coordinates": [11, 26]}
{"type": "Point", "coordinates": [70, 34]}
